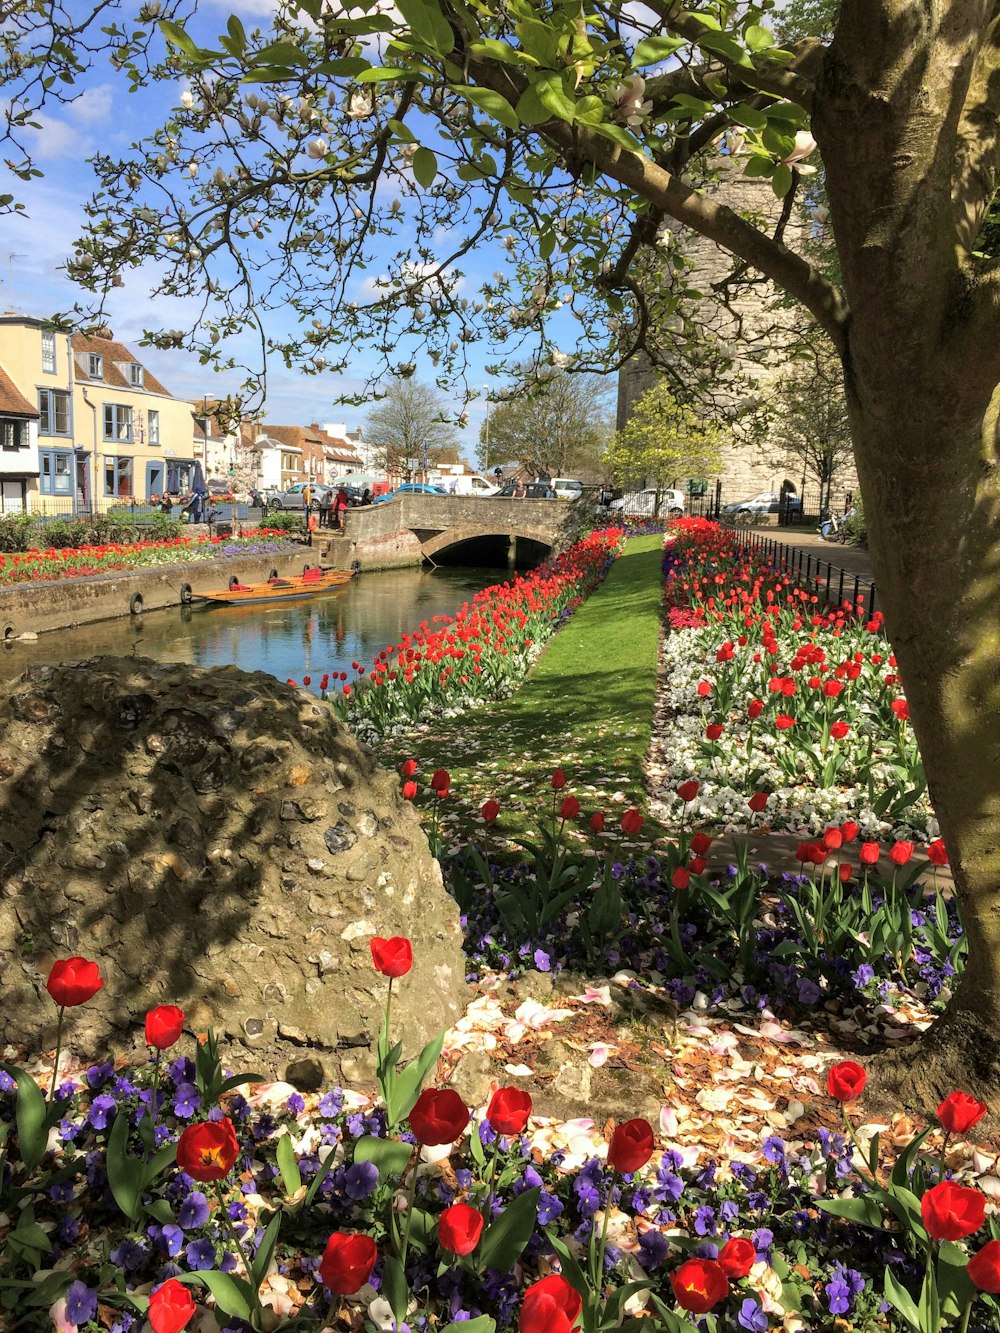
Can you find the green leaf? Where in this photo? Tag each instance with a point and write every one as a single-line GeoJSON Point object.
{"type": "Point", "coordinates": [176, 36]}
{"type": "Point", "coordinates": [32, 1135]}
{"type": "Point", "coordinates": [781, 181]}
{"type": "Point", "coordinates": [262, 1258]}
{"type": "Point", "coordinates": [124, 1171]}
{"type": "Point", "coordinates": [758, 38]}
{"type": "Point", "coordinates": [428, 25]}
{"type": "Point", "coordinates": [389, 1155]}
{"type": "Point", "coordinates": [51, 1287]}
{"type": "Point", "coordinates": [410, 1081]}
{"type": "Point", "coordinates": [319, 1177]}
{"type": "Point", "coordinates": [394, 1287]}
{"type": "Point", "coordinates": [787, 111]}
{"type": "Point", "coordinates": [651, 50]}
{"type": "Point", "coordinates": [424, 167]}
{"type": "Point", "coordinates": [481, 1324]}
{"type": "Point", "coordinates": [727, 47]}
{"type": "Point", "coordinates": [748, 116]}
{"type": "Point", "coordinates": [865, 1211]}
{"type": "Point", "coordinates": [161, 1212]}
{"type": "Point", "coordinates": [375, 74]}
{"type": "Point", "coordinates": [901, 1300]}
{"type": "Point", "coordinates": [284, 1154]}
{"type": "Point", "coordinates": [503, 1240]}
{"type": "Point", "coordinates": [233, 1295]}
{"type": "Point", "coordinates": [491, 103]}
{"type": "Point", "coordinates": [159, 1162]}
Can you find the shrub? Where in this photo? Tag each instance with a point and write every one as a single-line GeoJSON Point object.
{"type": "Point", "coordinates": [857, 528]}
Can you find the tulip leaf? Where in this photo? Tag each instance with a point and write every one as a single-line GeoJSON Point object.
{"type": "Point", "coordinates": [232, 1294]}
{"type": "Point", "coordinates": [320, 1176]}
{"type": "Point", "coordinates": [483, 1323]}
{"type": "Point", "coordinates": [262, 1258]}
{"type": "Point", "coordinates": [397, 1293]}
{"type": "Point", "coordinates": [901, 1300]}
{"type": "Point", "coordinates": [51, 1287]}
{"type": "Point", "coordinates": [389, 1155]}
{"type": "Point", "coordinates": [504, 1239]}
{"type": "Point", "coordinates": [409, 1082]}
{"type": "Point", "coordinates": [237, 1081]}
{"type": "Point", "coordinates": [865, 1211]}
{"type": "Point", "coordinates": [32, 1134]}
{"type": "Point", "coordinates": [124, 1171]}
{"type": "Point", "coordinates": [284, 1154]}
{"type": "Point", "coordinates": [568, 1266]}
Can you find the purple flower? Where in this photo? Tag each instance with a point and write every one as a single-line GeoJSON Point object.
{"type": "Point", "coordinates": [81, 1303]}
{"type": "Point", "coordinates": [809, 993]}
{"type": "Point", "coordinates": [128, 1254]}
{"type": "Point", "coordinates": [549, 1208]}
{"type": "Point", "coordinates": [98, 1074]}
{"type": "Point", "coordinates": [200, 1255]}
{"type": "Point", "coordinates": [331, 1102]}
{"type": "Point", "coordinates": [193, 1212]}
{"type": "Point", "coordinates": [100, 1108]}
{"type": "Point", "coordinates": [653, 1248]}
{"type": "Point", "coordinates": [295, 1104]}
{"type": "Point", "coordinates": [360, 1180]}
{"type": "Point", "coordinates": [186, 1101]}
{"type": "Point", "coordinates": [752, 1317]}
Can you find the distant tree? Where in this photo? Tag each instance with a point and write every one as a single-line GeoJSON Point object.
{"type": "Point", "coordinates": [664, 443]}
{"type": "Point", "coordinates": [561, 426]}
{"type": "Point", "coordinates": [409, 422]}
{"type": "Point", "coordinates": [810, 418]}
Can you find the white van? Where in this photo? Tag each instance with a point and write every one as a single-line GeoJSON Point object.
{"type": "Point", "coordinates": [469, 484]}
{"type": "Point", "coordinates": [566, 488]}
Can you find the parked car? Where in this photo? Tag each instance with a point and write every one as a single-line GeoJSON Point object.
{"type": "Point", "coordinates": [411, 488]}
{"type": "Point", "coordinates": [292, 498]}
{"type": "Point", "coordinates": [533, 490]}
{"type": "Point", "coordinates": [644, 503]}
{"type": "Point", "coordinates": [767, 502]}
{"type": "Point", "coordinates": [566, 488]}
{"type": "Point", "coordinates": [468, 484]}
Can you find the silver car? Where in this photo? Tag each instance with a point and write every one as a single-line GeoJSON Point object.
{"type": "Point", "coordinates": [292, 498]}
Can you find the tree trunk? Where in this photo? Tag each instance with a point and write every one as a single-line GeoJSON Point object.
{"type": "Point", "coordinates": [927, 464]}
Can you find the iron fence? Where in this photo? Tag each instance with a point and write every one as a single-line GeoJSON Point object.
{"type": "Point", "coordinates": [794, 559]}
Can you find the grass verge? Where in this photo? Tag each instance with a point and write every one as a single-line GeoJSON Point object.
{"type": "Point", "coordinates": [587, 707]}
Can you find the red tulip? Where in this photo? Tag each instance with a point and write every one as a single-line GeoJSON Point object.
{"type": "Point", "coordinates": [631, 1146]}
{"type": "Point", "coordinates": [900, 853]}
{"type": "Point", "coordinates": [783, 722]}
{"type": "Point", "coordinates": [937, 853]}
{"type": "Point", "coordinates": [984, 1268]}
{"type": "Point", "coordinates": [632, 822]}
{"type": "Point", "coordinates": [687, 791]}
{"type": "Point", "coordinates": [569, 808]}
{"type": "Point", "coordinates": [550, 1305]}
{"type": "Point", "coordinates": [170, 1307]}
{"type": "Point", "coordinates": [489, 811]}
{"type": "Point", "coordinates": [737, 1257]}
{"type": "Point", "coordinates": [697, 865]}
{"type": "Point", "coordinates": [951, 1212]}
{"type": "Point", "coordinates": [846, 1081]}
{"type": "Point", "coordinates": [459, 1228]}
{"type": "Point", "coordinates": [409, 791]}
{"type": "Point", "coordinates": [597, 821]}
{"type": "Point", "coordinates": [758, 801]}
{"type": "Point", "coordinates": [839, 730]}
{"type": "Point", "coordinates": [700, 843]}
{"type": "Point", "coordinates": [558, 779]}
{"type": "Point", "coordinates": [439, 1116]}
{"type": "Point", "coordinates": [754, 709]}
{"type": "Point", "coordinates": [714, 730]}
{"type": "Point", "coordinates": [347, 1262]}
{"type": "Point", "coordinates": [868, 855]}
{"type": "Point", "coordinates": [440, 780]}
{"type": "Point", "coordinates": [408, 768]}
{"type": "Point", "coordinates": [901, 708]}
{"type": "Point", "coordinates": [680, 878]}
{"type": "Point", "coordinates": [207, 1151]}
{"type": "Point", "coordinates": [73, 981]}
{"type": "Point", "coordinates": [164, 1025]}
{"type": "Point", "coordinates": [508, 1110]}
{"type": "Point", "coordinates": [704, 688]}
{"type": "Point", "coordinates": [833, 839]}
{"type": "Point", "coordinates": [959, 1112]}
{"type": "Point", "coordinates": [392, 957]}
{"type": "Point", "coordinates": [849, 829]}
{"type": "Point", "coordinates": [699, 1284]}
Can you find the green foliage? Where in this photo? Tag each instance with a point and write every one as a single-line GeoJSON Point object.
{"type": "Point", "coordinates": [665, 441]}
{"type": "Point", "coordinates": [25, 532]}
{"type": "Point", "coordinates": [857, 527]}
{"type": "Point", "coordinates": [559, 426]}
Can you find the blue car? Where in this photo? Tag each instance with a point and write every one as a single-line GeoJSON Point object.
{"type": "Point", "coordinates": [411, 488]}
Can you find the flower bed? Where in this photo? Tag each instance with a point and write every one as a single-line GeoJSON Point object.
{"type": "Point", "coordinates": [38, 566]}
{"type": "Point", "coordinates": [772, 690]}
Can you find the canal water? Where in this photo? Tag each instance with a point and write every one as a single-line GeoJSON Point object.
{"type": "Point", "coordinates": [322, 634]}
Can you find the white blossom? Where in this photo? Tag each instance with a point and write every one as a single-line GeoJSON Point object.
{"type": "Point", "coordinates": [317, 148]}
{"type": "Point", "coordinates": [630, 107]}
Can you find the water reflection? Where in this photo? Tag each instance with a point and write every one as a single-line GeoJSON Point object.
{"type": "Point", "coordinates": [327, 633]}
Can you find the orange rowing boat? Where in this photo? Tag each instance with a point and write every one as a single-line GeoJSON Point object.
{"type": "Point", "coordinates": [308, 584]}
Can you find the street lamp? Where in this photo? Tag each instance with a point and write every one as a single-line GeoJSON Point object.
{"type": "Point", "coordinates": [486, 445]}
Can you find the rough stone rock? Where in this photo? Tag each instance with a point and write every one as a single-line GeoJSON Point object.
{"type": "Point", "coordinates": [217, 840]}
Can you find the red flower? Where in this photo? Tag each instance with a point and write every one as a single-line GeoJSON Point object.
{"type": "Point", "coordinates": [307, 680]}
{"type": "Point", "coordinates": [901, 708]}
{"type": "Point", "coordinates": [849, 829]}
{"type": "Point", "coordinates": [984, 1268]}
{"type": "Point", "coordinates": [550, 1305]}
{"type": "Point", "coordinates": [73, 981]}
{"type": "Point", "coordinates": [440, 780]}
{"type": "Point", "coordinates": [392, 957]}
{"type": "Point", "coordinates": [831, 688]}
{"type": "Point", "coordinates": [737, 1257]}
{"type": "Point", "coordinates": [558, 779]}
{"type": "Point", "coordinates": [714, 730]}
{"type": "Point", "coordinates": [699, 1284]}
{"type": "Point", "coordinates": [408, 768]}
{"type": "Point", "coordinates": [959, 1112]}
{"type": "Point", "coordinates": [783, 722]}
{"type": "Point", "coordinates": [409, 790]}
{"type": "Point", "coordinates": [833, 839]}
{"type": "Point", "coordinates": [839, 730]}
{"type": "Point", "coordinates": [846, 1081]}
{"type": "Point", "coordinates": [704, 688]}
{"type": "Point", "coordinates": [700, 844]}
{"type": "Point", "coordinates": [164, 1025]}
{"type": "Point", "coordinates": [597, 821]}
{"type": "Point", "coordinates": [569, 808]}
{"type": "Point", "coordinates": [754, 709]}
{"type": "Point", "coordinates": [868, 855]}
{"type": "Point", "coordinates": [439, 1116]}
{"type": "Point", "coordinates": [459, 1228]}
{"type": "Point", "coordinates": [347, 1262]}
{"type": "Point", "coordinates": [170, 1307]}
{"type": "Point", "coordinates": [631, 1146]}
{"type": "Point", "coordinates": [757, 801]}
{"type": "Point", "coordinates": [680, 878]}
{"type": "Point", "coordinates": [207, 1151]}
{"type": "Point", "coordinates": [951, 1211]}
{"type": "Point", "coordinates": [810, 853]}
{"type": "Point", "coordinates": [632, 822]}
{"type": "Point", "coordinates": [687, 791]}
{"type": "Point", "coordinates": [937, 853]}
{"type": "Point", "coordinates": [900, 853]}
{"type": "Point", "coordinates": [508, 1110]}
{"type": "Point", "coordinates": [489, 810]}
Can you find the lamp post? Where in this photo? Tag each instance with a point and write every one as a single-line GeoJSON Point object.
{"type": "Point", "coordinates": [486, 444]}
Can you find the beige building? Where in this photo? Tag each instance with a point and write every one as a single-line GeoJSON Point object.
{"type": "Point", "coordinates": [106, 432]}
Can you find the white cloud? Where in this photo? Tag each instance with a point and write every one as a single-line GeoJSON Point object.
{"type": "Point", "coordinates": [56, 138]}
{"type": "Point", "coordinates": [93, 106]}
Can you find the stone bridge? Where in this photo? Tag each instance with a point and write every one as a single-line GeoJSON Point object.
{"type": "Point", "coordinates": [414, 527]}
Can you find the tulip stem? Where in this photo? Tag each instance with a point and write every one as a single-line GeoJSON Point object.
{"type": "Point", "coordinates": [409, 1210]}
{"type": "Point", "coordinates": [55, 1067]}
{"type": "Point", "coordinates": [597, 1269]}
{"type": "Point", "coordinates": [240, 1249]}
{"type": "Point", "coordinates": [964, 1325]}
{"type": "Point", "coordinates": [149, 1146]}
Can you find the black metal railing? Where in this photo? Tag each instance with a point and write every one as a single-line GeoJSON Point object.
{"type": "Point", "coordinates": [794, 559]}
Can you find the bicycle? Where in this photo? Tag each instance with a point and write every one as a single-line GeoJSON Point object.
{"type": "Point", "coordinates": [833, 528]}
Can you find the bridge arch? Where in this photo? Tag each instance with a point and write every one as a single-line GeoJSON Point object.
{"type": "Point", "coordinates": [439, 542]}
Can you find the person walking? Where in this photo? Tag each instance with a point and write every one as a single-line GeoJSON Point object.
{"type": "Point", "coordinates": [326, 503]}
{"type": "Point", "coordinates": [340, 508]}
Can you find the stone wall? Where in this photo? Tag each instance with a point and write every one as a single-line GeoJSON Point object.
{"type": "Point", "coordinates": [214, 839]}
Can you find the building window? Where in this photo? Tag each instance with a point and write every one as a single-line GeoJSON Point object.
{"type": "Point", "coordinates": [154, 427]}
{"type": "Point", "coordinates": [48, 352]}
{"type": "Point", "coordinates": [53, 411]}
{"type": "Point", "coordinates": [56, 470]}
{"type": "Point", "coordinates": [135, 374]}
{"type": "Point", "coordinates": [13, 433]}
{"type": "Point", "coordinates": [117, 422]}
{"type": "Point", "coordinates": [118, 477]}
{"type": "Point", "coordinates": [95, 366]}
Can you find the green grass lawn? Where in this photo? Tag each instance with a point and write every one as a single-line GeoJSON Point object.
{"type": "Point", "coordinates": [587, 707]}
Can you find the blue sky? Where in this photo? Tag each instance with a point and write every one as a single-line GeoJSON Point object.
{"type": "Point", "coordinates": [34, 247]}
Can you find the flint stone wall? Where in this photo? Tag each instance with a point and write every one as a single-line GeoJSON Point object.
{"type": "Point", "coordinates": [217, 840]}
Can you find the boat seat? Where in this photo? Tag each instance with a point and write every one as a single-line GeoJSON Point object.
{"type": "Point", "coordinates": [241, 587]}
{"type": "Point", "coordinates": [312, 576]}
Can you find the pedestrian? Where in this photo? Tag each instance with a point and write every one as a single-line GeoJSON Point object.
{"type": "Point", "coordinates": [196, 507]}
{"type": "Point", "coordinates": [519, 489]}
{"type": "Point", "coordinates": [326, 502]}
{"type": "Point", "coordinates": [366, 496]}
{"type": "Point", "coordinates": [340, 508]}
